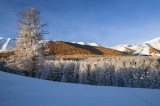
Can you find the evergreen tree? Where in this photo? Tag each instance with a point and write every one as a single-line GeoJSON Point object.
{"type": "Point", "coordinates": [28, 48]}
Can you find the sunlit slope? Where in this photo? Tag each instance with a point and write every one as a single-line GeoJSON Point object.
{"type": "Point", "coordinates": [66, 48]}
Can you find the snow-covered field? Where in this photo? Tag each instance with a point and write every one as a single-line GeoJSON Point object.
{"type": "Point", "coordinates": [18, 90]}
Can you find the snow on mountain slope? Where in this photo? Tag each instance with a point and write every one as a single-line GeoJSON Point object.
{"type": "Point", "coordinates": [18, 90]}
{"type": "Point", "coordinates": [154, 43]}
{"type": "Point", "coordinates": [6, 44]}
{"type": "Point", "coordinates": [141, 48]}
{"type": "Point", "coordinates": [84, 43]}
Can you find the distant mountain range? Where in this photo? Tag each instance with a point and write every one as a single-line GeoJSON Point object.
{"type": "Point", "coordinates": [151, 47]}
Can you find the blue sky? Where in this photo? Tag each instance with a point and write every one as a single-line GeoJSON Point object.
{"type": "Point", "coordinates": [106, 22]}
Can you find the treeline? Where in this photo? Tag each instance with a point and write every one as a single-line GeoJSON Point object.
{"type": "Point", "coordinates": [105, 71]}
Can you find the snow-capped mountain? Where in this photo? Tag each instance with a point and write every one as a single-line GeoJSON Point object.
{"type": "Point", "coordinates": [85, 43]}
{"type": "Point", "coordinates": [6, 44]}
{"type": "Point", "coordinates": [155, 43]}
{"type": "Point", "coordinates": [151, 47]}
{"type": "Point", "coordinates": [141, 48]}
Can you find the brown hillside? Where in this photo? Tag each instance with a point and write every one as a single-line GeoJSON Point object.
{"type": "Point", "coordinates": [6, 54]}
{"type": "Point", "coordinates": [63, 49]}
{"type": "Point", "coordinates": [66, 48]}
{"type": "Point", "coordinates": [129, 50]}
{"type": "Point", "coordinates": [153, 50]}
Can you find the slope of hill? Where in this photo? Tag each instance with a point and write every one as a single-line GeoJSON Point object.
{"type": "Point", "coordinates": [155, 43]}
{"type": "Point", "coordinates": [6, 54]}
{"type": "Point", "coordinates": [66, 48]}
{"type": "Point", "coordinates": [73, 50]}
{"type": "Point", "coordinates": [6, 44]}
{"type": "Point", "coordinates": [151, 47]}
{"type": "Point", "coordinates": [18, 90]}
{"type": "Point", "coordinates": [147, 48]}
{"type": "Point", "coordinates": [153, 51]}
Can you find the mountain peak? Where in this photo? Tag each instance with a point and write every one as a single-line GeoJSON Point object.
{"type": "Point", "coordinates": [145, 48]}
{"type": "Point", "coordinates": [155, 40]}
{"type": "Point", "coordinates": [85, 43]}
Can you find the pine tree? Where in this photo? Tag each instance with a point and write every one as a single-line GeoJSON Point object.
{"type": "Point", "coordinates": [28, 49]}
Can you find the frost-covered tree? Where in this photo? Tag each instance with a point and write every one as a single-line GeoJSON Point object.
{"type": "Point", "coordinates": [28, 47]}
{"type": "Point", "coordinates": [83, 73]}
{"type": "Point", "coordinates": [68, 71]}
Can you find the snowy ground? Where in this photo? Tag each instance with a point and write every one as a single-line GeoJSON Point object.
{"type": "Point", "coordinates": [18, 90]}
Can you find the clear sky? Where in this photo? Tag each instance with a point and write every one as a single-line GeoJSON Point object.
{"type": "Point", "coordinates": [106, 22]}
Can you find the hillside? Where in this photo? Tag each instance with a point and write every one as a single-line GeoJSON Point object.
{"type": "Point", "coordinates": [18, 90]}
{"type": "Point", "coordinates": [67, 48]}
{"type": "Point", "coordinates": [151, 47]}
{"type": "Point", "coordinates": [154, 51]}
{"type": "Point", "coordinates": [63, 49]}
{"type": "Point", "coordinates": [129, 50]}
{"type": "Point", "coordinates": [6, 54]}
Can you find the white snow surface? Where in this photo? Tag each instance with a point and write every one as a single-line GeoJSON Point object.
{"type": "Point", "coordinates": [85, 43]}
{"type": "Point", "coordinates": [6, 44]}
{"type": "Point", "coordinates": [154, 43]}
{"type": "Point", "coordinates": [141, 48]}
{"type": "Point", "coordinates": [16, 90]}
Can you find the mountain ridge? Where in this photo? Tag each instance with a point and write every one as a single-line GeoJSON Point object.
{"type": "Point", "coordinates": [145, 48]}
{"type": "Point", "coordinates": [151, 47]}
{"type": "Point", "coordinates": [68, 48]}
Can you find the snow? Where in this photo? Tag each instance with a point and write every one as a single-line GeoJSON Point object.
{"type": "Point", "coordinates": [93, 44]}
{"type": "Point", "coordinates": [4, 48]}
{"type": "Point", "coordinates": [153, 40]}
{"type": "Point", "coordinates": [141, 48]}
{"type": "Point", "coordinates": [154, 43]}
{"type": "Point", "coordinates": [1, 38]}
{"type": "Point", "coordinates": [119, 47]}
{"type": "Point", "coordinates": [85, 43]}
{"type": "Point", "coordinates": [18, 90]}
{"type": "Point", "coordinates": [6, 44]}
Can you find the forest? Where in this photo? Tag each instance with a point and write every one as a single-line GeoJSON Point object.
{"type": "Point", "coordinates": [133, 71]}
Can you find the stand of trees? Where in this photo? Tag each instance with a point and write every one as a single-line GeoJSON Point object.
{"type": "Point", "coordinates": [107, 71]}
